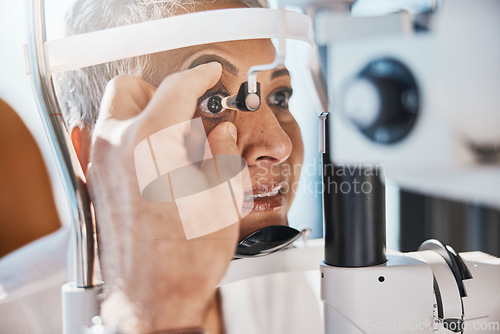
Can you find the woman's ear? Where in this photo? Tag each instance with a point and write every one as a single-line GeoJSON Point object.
{"type": "Point", "coordinates": [82, 144]}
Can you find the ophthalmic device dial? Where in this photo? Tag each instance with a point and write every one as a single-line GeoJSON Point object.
{"type": "Point", "coordinates": [382, 101]}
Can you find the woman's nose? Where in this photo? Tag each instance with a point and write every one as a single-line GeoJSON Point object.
{"type": "Point", "coordinates": [262, 139]}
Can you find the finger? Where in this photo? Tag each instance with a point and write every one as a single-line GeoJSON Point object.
{"type": "Point", "coordinates": [169, 116]}
{"type": "Point", "coordinates": [222, 140]}
{"type": "Point", "coordinates": [176, 98]}
{"type": "Point", "coordinates": [125, 97]}
{"type": "Point", "coordinates": [230, 166]}
{"type": "Point", "coordinates": [216, 203]}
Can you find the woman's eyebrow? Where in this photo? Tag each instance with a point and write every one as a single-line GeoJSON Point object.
{"type": "Point", "coordinates": [226, 65]}
{"type": "Point", "coordinates": [280, 72]}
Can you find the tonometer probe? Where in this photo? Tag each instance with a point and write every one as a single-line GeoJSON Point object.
{"type": "Point", "coordinates": [248, 97]}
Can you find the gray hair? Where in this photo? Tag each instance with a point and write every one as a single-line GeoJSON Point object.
{"type": "Point", "coordinates": [79, 92]}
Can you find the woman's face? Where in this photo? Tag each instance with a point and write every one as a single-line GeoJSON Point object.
{"type": "Point", "coordinates": [269, 139]}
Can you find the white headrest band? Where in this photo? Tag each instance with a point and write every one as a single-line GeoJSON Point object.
{"type": "Point", "coordinates": [172, 33]}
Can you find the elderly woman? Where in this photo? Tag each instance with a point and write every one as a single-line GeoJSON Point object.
{"type": "Point", "coordinates": [157, 280]}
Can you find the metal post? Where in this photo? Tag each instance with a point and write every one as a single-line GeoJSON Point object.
{"type": "Point", "coordinates": [68, 163]}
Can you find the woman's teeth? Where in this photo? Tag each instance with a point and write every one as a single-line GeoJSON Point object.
{"type": "Point", "coordinates": [268, 194]}
{"type": "Point", "coordinates": [275, 191]}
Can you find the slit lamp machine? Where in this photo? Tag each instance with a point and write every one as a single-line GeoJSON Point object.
{"type": "Point", "coordinates": [415, 90]}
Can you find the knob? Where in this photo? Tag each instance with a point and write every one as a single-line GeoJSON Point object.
{"type": "Point", "coordinates": [382, 101]}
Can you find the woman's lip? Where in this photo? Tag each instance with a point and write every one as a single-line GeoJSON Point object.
{"type": "Point", "coordinates": [268, 189]}
{"type": "Point", "coordinates": [265, 197]}
{"type": "Point", "coordinates": [260, 204]}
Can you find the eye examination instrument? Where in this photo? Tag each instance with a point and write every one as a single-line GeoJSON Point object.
{"type": "Point", "coordinates": [402, 99]}
{"type": "Point", "coordinates": [248, 97]}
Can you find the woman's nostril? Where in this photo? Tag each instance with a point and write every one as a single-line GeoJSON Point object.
{"type": "Point", "coordinates": [264, 158]}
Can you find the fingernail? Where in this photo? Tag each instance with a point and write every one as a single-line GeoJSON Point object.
{"type": "Point", "coordinates": [215, 62]}
{"type": "Point", "coordinates": [232, 130]}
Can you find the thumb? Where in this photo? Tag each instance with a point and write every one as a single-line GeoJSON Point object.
{"type": "Point", "coordinates": [177, 96]}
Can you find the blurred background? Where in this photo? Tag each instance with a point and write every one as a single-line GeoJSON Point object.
{"type": "Point", "coordinates": [411, 217]}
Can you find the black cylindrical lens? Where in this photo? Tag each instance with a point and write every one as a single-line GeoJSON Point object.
{"type": "Point", "coordinates": [354, 213]}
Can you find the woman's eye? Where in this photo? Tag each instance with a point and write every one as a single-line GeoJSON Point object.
{"type": "Point", "coordinates": [280, 98]}
{"type": "Point", "coordinates": [212, 105]}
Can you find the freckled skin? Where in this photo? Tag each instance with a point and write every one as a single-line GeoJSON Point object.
{"type": "Point", "coordinates": [269, 139]}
